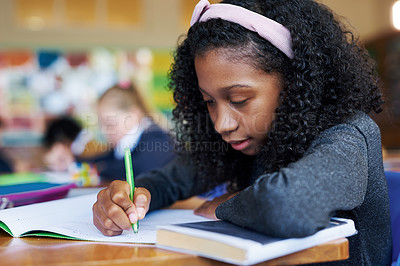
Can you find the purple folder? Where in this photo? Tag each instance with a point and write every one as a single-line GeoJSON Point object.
{"type": "Point", "coordinates": [28, 193]}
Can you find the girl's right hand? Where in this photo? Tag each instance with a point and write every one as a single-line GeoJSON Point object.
{"type": "Point", "coordinates": [114, 212]}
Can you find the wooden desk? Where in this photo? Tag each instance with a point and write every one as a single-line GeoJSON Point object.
{"type": "Point", "coordinates": [49, 251]}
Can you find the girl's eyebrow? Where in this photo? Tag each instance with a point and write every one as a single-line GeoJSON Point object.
{"type": "Point", "coordinates": [228, 88]}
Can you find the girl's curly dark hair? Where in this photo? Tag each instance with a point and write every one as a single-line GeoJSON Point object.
{"type": "Point", "coordinates": [330, 78]}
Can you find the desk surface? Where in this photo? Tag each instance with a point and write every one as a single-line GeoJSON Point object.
{"type": "Point", "coordinates": [49, 251]}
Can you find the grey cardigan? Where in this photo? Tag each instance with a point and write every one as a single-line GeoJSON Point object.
{"type": "Point", "coordinates": [341, 174]}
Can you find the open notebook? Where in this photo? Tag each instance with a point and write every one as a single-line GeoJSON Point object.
{"type": "Point", "coordinates": [71, 218]}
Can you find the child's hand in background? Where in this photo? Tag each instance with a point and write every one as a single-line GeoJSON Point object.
{"type": "Point", "coordinates": [114, 212]}
{"type": "Point", "coordinates": [207, 209]}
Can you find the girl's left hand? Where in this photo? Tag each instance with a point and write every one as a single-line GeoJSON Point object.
{"type": "Point", "coordinates": [207, 209]}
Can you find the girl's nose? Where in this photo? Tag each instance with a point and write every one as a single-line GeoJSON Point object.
{"type": "Point", "coordinates": [225, 122]}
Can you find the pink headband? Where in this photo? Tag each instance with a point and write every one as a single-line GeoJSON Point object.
{"type": "Point", "coordinates": [267, 28]}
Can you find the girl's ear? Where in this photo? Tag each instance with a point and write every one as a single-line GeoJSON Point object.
{"type": "Point", "coordinates": [135, 115]}
{"type": "Point", "coordinates": [136, 111]}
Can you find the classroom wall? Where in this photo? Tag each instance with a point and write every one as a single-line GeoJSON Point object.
{"type": "Point", "coordinates": [161, 25]}
{"type": "Point", "coordinates": [369, 18]}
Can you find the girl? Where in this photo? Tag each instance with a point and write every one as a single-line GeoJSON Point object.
{"type": "Point", "coordinates": [125, 122]}
{"type": "Point", "coordinates": [271, 96]}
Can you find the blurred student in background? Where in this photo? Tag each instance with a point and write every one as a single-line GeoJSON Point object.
{"type": "Point", "coordinates": [125, 122]}
{"type": "Point", "coordinates": [5, 163]}
{"type": "Point", "coordinates": [65, 142]}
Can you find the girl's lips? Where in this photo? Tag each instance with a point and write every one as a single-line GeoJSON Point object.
{"type": "Point", "coordinates": [240, 145]}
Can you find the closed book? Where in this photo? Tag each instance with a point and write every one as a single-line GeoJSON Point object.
{"type": "Point", "coordinates": [227, 242]}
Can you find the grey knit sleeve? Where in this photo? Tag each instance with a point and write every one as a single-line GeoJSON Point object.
{"type": "Point", "coordinates": [299, 199]}
{"type": "Point", "coordinates": [175, 181]}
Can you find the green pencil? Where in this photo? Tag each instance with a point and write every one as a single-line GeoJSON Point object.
{"type": "Point", "coordinates": [131, 181]}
